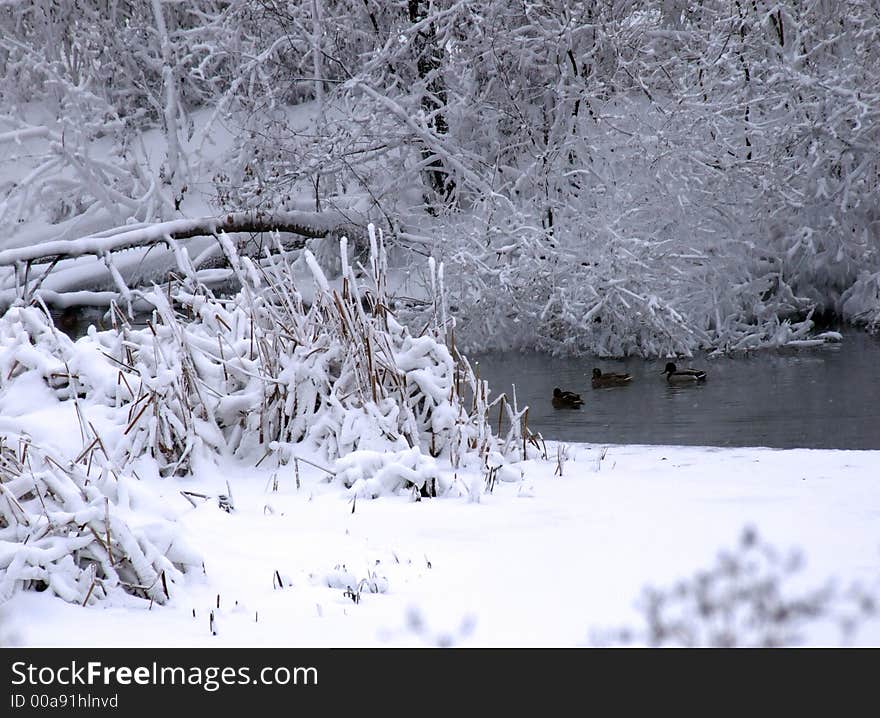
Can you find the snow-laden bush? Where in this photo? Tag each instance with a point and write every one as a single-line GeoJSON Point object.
{"type": "Point", "coordinates": [748, 598]}
{"type": "Point", "coordinates": [258, 374]}
{"type": "Point", "coordinates": [370, 474]}
{"type": "Point", "coordinates": [264, 372]}
{"type": "Point", "coordinates": [861, 302]}
{"type": "Point", "coordinates": [29, 342]}
{"type": "Point", "coordinates": [341, 374]}
{"type": "Point", "coordinates": [62, 529]}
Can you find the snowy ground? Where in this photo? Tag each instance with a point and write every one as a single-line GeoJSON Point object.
{"type": "Point", "coordinates": [547, 561]}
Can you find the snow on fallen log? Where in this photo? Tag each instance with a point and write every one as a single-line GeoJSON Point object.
{"type": "Point", "coordinates": [29, 133]}
{"type": "Point", "coordinates": [80, 298]}
{"type": "Point", "coordinates": [314, 225]}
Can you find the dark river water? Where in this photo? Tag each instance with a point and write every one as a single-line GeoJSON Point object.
{"type": "Point", "coordinates": [826, 397]}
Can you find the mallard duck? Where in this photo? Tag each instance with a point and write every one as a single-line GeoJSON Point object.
{"type": "Point", "coordinates": [682, 376]}
{"type": "Point", "coordinates": [566, 399]}
{"type": "Point", "coordinates": [609, 379]}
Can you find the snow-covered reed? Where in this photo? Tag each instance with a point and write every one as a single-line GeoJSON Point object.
{"type": "Point", "coordinates": [259, 376]}
{"type": "Point", "coordinates": [263, 371]}
{"type": "Point", "coordinates": [62, 530]}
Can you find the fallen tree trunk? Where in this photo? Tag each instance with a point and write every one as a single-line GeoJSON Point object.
{"type": "Point", "coordinates": [313, 225]}
{"type": "Point", "coordinates": [95, 270]}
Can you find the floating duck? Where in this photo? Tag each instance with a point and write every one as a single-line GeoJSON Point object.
{"type": "Point", "coordinates": [601, 380]}
{"type": "Point", "coordinates": [682, 376]}
{"type": "Point", "coordinates": [566, 399]}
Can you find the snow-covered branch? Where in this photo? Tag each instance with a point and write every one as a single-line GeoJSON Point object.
{"type": "Point", "coordinates": [303, 224]}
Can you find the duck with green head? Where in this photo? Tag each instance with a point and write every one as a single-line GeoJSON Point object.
{"type": "Point", "coordinates": [566, 399]}
{"type": "Point", "coordinates": [674, 375]}
{"type": "Point", "coordinates": [605, 379]}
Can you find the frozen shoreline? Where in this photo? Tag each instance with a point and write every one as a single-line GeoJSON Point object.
{"type": "Point", "coordinates": [546, 561]}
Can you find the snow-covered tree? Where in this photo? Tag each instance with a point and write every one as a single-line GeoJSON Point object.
{"type": "Point", "coordinates": [614, 177]}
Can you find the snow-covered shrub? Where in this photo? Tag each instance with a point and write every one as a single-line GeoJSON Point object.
{"type": "Point", "coordinates": [341, 577]}
{"type": "Point", "coordinates": [30, 343]}
{"type": "Point", "coordinates": [263, 371]}
{"type": "Point", "coordinates": [370, 474]}
{"type": "Point", "coordinates": [746, 599]}
{"type": "Point", "coordinates": [62, 530]}
{"type": "Point", "coordinates": [860, 304]}
{"type": "Point", "coordinates": [341, 373]}
{"type": "Point", "coordinates": [146, 375]}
